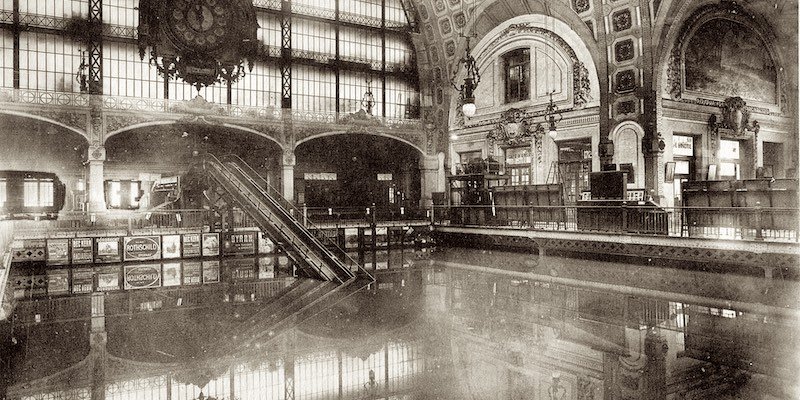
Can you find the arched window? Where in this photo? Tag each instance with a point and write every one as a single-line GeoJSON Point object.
{"type": "Point", "coordinates": [517, 74]}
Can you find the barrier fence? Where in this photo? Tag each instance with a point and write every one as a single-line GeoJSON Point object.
{"type": "Point", "coordinates": [738, 223]}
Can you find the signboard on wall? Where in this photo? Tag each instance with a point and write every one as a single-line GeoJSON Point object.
{"type": "Point", "coordinates": [171, 246]}
{"type": "Point", "coordinates": [172, 274]}
{"type": "Point", "coordinates": [682, 146]}
{"type": "Point", "coordinates": [191, 245]}
{"type": "Point", "coordinates": [57, 281]}
{"type": "Point", "coordinates": [210, 244]}
{"type": "Point", "coordinates": [191, 273]}
{"type": "Point", "coordinates": [350, 238]}
{"type": "Point", "coordinates": [107, 250]}
{"type": "Point", "coordinates": [82, 280]}
{"type": "Point", "coordinates": [82, 251]}
{"type": "Point", "coordinates": [265, 245]}
{"type": "Point", "coordinates": [57, 251]}
{"type": "Point", "coordinates": [142, 248]}
{"type": "Point", "coordinates": [237, 243]}
{"type": "Point", "coordinates": [142, 276]}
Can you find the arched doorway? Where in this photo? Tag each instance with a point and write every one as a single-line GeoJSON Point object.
{"type": "Point", "coordinates": [356, 171]}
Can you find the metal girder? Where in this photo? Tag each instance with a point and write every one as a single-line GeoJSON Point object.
{"type": "Point", "coordinates": [286, 54]}
{"type": "Point", "coordinates": [95, 48]}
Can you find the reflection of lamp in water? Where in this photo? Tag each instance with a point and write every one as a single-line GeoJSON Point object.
{"type": "Point", "coordinates": [556, 391]}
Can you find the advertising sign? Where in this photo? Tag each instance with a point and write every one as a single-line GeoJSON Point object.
{"type": "Point", "coordinates": [191, 273]}
{"type": "Point", "coordinates": [210, 271]}
{"type": "Point", "coordinates": [172, 274]}
{"type": "Point", "coordinates": [57, 251]}
{"type": "Point", "coordinates": [142, 248]}
{"type": "Point", "coordinates": [265, 245]}
{"type": "Point", "coordinates": [350, 238]}
{"type": "Point", "coordinates": [210, 244]}
{"type": "Point", "coordinates": [82, 251]}
{"type": "Point", "coordinates": [82, 280]}
{"type": "Point", "coordinates": [33, 249]}
{"type": "Point", "coordinates": [57, 281]}
{"type": "Point", "coordinates": [266, 267]}
{"type": "Point", "coordinates": [108, 279]}
{"type": "Point", "coordinates": [142, 276]}
{"type": "Point", "coordinates": [191, 245]}
{"type": "Point", "coordinates": [240, 243]}
{"type": "Point", "coordinates": [107, 250]}
{"type": "Point", "coordinates": [171, 246]}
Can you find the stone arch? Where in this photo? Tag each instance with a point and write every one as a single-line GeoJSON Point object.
{"type": "Point", "coordinates": [543, 28]}
{"type": "Point", "coordinates": [673, 37]}
{"type": "Point", "coordinates": [83, 133]}
{"type": "Point", "coordinates": [627, 138]}
{"type": "Point", "coordinates": [332, 133]}
{"type": "Point", "coordinates": [109, 135]}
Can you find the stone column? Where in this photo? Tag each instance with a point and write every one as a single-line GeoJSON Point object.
{"type": "Point", "coordinates": [287, 175]}
{"type": "Point", "coordinates": [429, 167]}
{"type": "Point", "coordinates": [97, 199]}
{"type": "Point", "coordinates": [654, 167]}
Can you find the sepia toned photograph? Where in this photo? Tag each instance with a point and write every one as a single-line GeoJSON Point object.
{"type": "Point", "coordinates": [399, 200]}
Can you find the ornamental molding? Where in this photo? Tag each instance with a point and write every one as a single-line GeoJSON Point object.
{"type": "Point", "coordinates": [580, 74]}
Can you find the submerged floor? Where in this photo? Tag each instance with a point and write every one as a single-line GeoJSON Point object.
{"type": "Point", "coordinates": [457, 324]}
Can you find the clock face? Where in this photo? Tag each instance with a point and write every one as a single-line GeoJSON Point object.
{"type": "Point", "coordinates": [199, 24]}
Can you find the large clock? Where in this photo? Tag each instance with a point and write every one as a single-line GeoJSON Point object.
{"type": "Point", "coordinates": [200, 25]}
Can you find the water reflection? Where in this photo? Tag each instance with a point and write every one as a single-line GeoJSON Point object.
{"type": "Point", "coordinates": [443, 328]}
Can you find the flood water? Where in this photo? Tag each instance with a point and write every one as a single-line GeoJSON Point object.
{"type": "Point", "coordinates": [451, 324]}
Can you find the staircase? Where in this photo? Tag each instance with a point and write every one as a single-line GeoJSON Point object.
{"type": "Point", "coordinates": [273, 214]}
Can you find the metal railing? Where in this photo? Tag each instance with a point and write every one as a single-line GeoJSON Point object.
{"type": "Point", "coordinates": [364, 214]}
{"type": "Point", "coordinates": [737, 223]}
{"type": "Point", "coordinates": [189, 218]}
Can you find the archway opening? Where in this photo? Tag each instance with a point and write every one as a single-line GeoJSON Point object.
{"type": "Point", "coordinates": [356, 171]}
{"type": "Point", "coordinates": [146, 154]}
{"type": "Point", "coordinates": [39, 146]}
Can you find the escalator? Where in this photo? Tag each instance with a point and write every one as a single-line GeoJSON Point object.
{"type": "Point", "coordinates": [273, 214]}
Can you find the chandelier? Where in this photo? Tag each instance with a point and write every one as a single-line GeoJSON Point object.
{"type": "Point", "coordinates": [471, 79]}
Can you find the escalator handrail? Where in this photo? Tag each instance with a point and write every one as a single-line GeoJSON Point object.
{"type": "Point", "coordinates": [287, 205]}
{"type": "Point", "coordinates": [256, 209]}
{"type": "Point", "coordinates": [298, 229]}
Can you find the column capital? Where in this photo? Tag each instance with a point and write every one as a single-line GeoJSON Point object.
{"type": "Point", "coordinates": [288, 158]}
{"type": "Point", "coordinates": [96, 154]}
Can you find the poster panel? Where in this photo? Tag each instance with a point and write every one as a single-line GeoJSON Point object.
{"type": "Point", "coordinates": [191, 273]}
{"type": "Point", "coordinates": [240, 243]}
{"type": "Point", "coordinates": [57, 251]}
{"type": "Point", "coordinates": [107, 250]}
{"type": "Point", "coordinates": [350, 238]}
{"type": "Point", "coordinates": [82, 280]}
{"type": "Point", "coordinates": [191, 245]}
{"type": "Point", "coordinates": [172, 274]}
{"type": "Point", "coordinates": [210, 271]}
{"type": "Point", "coordinates": [57, 281]}
{"type": "Point", "coordinates": [210, 244]}
{"type": "Point", "coordinates": [171, 246]}
{"type": "Point", "coordinates": [142, 248]}
{"type": "Point", "coordinates": [108, 279]}
{"type": "Point", "coordinates": [265, 245]}
{"type": "Point", "coordinates": [82, 251]}
{"type": "Point", "coordinates": [142, 276]}
{"type": "Point", "coordinates": [266, 267]}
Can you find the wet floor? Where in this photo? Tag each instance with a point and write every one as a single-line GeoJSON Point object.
{"type": "Point", "coordinates": [454, 324]}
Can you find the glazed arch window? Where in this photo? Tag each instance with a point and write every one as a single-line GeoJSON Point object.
{"type": "Point", "coordinates": [517, 65]}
